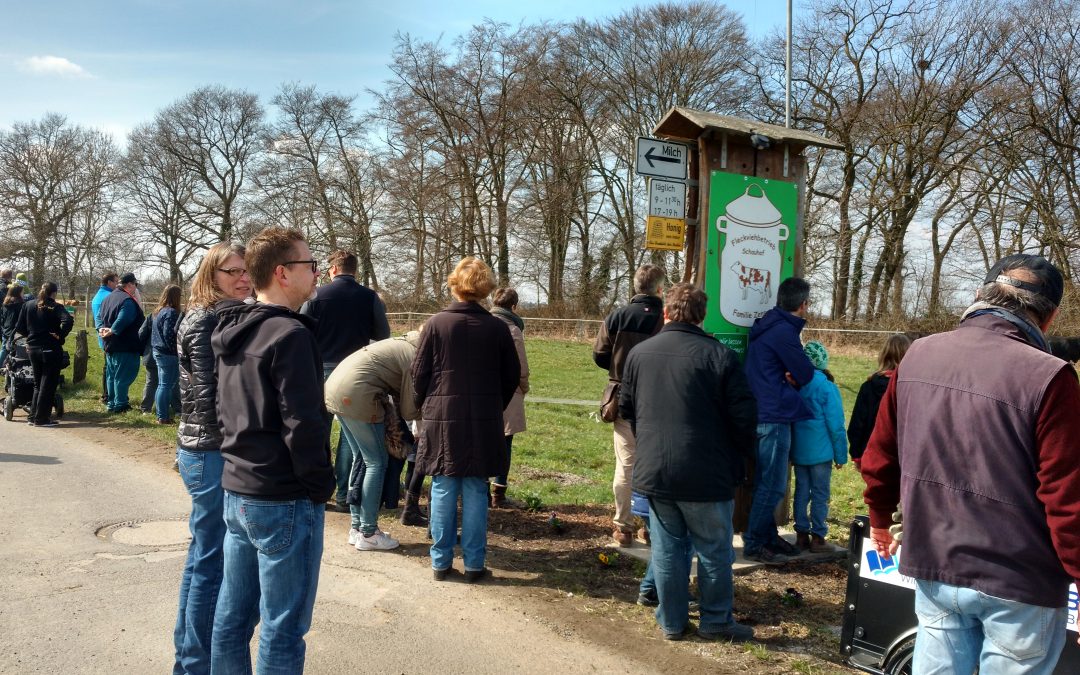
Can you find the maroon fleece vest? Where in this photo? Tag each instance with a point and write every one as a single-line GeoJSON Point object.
{"type": "Point", "coordinates": [967, 404]}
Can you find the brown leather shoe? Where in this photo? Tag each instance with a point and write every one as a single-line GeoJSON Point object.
{"type": "Point", "coordinates": [802, 540]}
{"type": "Point", "coordinates": [623, 539]}
{"type": "Point", "coordinates": [643, 535]}
{"type": "Point", "coordinates": [819, 545]}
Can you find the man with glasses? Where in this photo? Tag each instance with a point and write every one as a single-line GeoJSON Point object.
{"type": "Point", "coordinates": [121, 316]}
{"type": "Point", "coordinates": [277, 475]}
{"type": "Point", "coordinates": [350, 316]}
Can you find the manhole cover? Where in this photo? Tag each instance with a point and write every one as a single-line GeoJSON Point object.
{"type": "Point", "coordinates": [157, 534]}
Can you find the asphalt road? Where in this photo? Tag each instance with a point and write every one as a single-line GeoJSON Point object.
{"type": "Point", "coordinates": [81, 592]}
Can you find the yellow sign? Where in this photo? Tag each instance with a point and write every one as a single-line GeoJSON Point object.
{"type": "Point", "coordinates": [665, 234]}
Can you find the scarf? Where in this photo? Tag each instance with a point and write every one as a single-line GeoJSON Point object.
{"type": "Point", "coordinates": [509, 316]}
{"type": "Point", "coordinates": [1034, 335]}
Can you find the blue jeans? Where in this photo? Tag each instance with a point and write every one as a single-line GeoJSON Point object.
{"type": "Point", "coordinates": [201, 473]}
{"type": "Point", "coordinates": [673, 524]}
{"type": "Point", "coordinates": [501, 480]}
{"type": "Point", "coordinates": [168, 385]}
{"type": "Point", "coordinates": [347, 451]}
{"type": "Point", "coordinates": [812, 488]}
{"type": "Point", "coordinates": [961, 628]}
{"type": "Point", "coordinates": [474, 514]}
{"type": "Point", "coordinates": [121, 369]}
{"type": "Point", "coordinates": [371, 441]}
{"type": "Point", "coordinates": [770, 481]}
{"type": "Point", "coordinates": [272, 554]}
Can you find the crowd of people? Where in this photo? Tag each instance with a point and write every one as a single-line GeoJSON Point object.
{"type": "Point", "coordinates": [261, 358]}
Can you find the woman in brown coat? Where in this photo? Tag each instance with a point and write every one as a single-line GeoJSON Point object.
{"type": "Point", "coordinates": [465, 374]}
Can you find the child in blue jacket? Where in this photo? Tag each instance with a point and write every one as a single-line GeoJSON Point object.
{"type": "Point", "coordinates": [818, 443]}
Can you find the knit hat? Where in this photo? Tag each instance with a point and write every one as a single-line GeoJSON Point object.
{"type": "Point", "coordinates": [20, 279]}
{"type": "Point", "coordinates": [815, 351]}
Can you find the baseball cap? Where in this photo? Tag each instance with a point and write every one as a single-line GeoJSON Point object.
{"type": "Point", "coordinates": [1049, 283]}
{"type": "Point", "coordinates": [128, 278]}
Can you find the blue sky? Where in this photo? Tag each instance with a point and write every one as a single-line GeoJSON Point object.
{"type": "Point", "coordinates": [112, 64]}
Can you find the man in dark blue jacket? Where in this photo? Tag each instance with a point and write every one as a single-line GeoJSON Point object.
{"type": "Point", "coordinates": [776, 366]}
{"type": "Point", "coordinates": [350, 316]}
{"type": "Point", "coordinates": [693, 416]}
{"type": "Point", "coordinates": [120, 319]}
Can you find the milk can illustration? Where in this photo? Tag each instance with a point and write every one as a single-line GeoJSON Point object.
{"type": "Point", "coordinates": [752, 256]}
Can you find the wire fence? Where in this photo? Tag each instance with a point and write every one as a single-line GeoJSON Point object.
{"type": "Point", "coordinates": [585, 330]}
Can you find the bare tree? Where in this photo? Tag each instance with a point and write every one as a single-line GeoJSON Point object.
{"type": "Point", "coordinates": [50, 173]}
{"type": "Point", "coordinates": [213, 132]}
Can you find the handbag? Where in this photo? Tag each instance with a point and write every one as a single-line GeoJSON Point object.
{"type": "Point", "coordinates": [609, 402]}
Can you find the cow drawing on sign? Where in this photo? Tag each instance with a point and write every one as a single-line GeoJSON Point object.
{"type": "Point", "coordinates": [751, 278]}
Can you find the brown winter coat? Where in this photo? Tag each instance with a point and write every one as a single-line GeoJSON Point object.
{"type": "Point", "coordinates": [465, 374]}
{"type": "Point", "coordinates": [514, 415]}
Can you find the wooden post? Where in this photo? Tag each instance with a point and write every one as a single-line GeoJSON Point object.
{"type": "Point", "coordinates": [82, 357]}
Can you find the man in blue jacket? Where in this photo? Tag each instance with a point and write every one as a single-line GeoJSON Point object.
{"type": "Point", "coordinates": [776, 366]}
{"type": "Point", "coordinates": [121, 318]}
{"type": "Point", "coordinates": [109, 280]}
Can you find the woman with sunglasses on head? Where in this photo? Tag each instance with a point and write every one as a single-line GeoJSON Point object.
{"type": "Point", "coordinates": [45, 324]}
{"type": "Point", "coordinates": [221, 276]}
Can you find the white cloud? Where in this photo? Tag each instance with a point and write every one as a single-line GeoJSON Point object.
{"type": "Point", "coordinates": [52, 65]}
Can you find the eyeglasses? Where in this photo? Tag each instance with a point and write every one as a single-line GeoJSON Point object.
{"type": "Point", "coordinates": [234, 272]}
{"type": "Point", "coordinates": [314, 264]}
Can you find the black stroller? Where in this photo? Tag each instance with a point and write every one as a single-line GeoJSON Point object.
{"type": "Point", "coordinates": [19, 382]}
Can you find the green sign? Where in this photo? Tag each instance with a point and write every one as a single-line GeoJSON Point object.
{"type": "Point", "coordinates": [751, 249]}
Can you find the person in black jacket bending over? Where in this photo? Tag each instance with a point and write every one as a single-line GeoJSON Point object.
{"type": "Point", "coordinates": [277, 475]}
{"type": "Point", "coordinates": [694, 418]}
{"type": "Point", "coordinates": [350, 316]}
{"type": "Point", "coordinates": [45, 325]}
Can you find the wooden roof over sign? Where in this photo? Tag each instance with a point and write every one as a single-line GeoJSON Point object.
{"type": "Point", "coordinates": [686, 123]}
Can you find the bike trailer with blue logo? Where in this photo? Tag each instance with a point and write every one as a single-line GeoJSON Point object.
{"type": "Point", "coordinates": [878, 633]}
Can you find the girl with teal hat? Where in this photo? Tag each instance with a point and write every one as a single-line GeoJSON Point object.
{"type": "Point", "coordinates": [818, 444]}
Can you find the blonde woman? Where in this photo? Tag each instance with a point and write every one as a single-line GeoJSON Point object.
{"type": "Point", "coordinates": [222, 275]}
{"type": "Point", "coordinates": [465, 374]}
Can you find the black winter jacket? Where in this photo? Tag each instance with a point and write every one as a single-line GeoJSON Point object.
{"type": "Point", "coordinates": [864, 414]}
{"type": "Point", "coordinates": [46, 327]}
{"type": "Point", "coordinates": [623, 329]}
{"type": "Point", "coordinates": [9, 317]}
{"type": "Point", "coordinates": [274, 423]}
{"type": "Point", "coordinates": [693, 414]}
{"type": "Point", "coordinates": [199, 427]}
{"type": "Point", "coordinates": [349, 315]}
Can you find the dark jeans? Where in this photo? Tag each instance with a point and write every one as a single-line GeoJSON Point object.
{"type": "Point", "coordinates": [501, 480]}
{"type": "Point", "coordinates": [46, 365]}
{"type": "Point", "coordinates": [150, 388]}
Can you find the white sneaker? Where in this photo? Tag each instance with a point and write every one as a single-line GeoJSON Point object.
{"type": "Point", "coordinates": [354, 536]}
{"type": "Point", "coordinates": [376, 542]}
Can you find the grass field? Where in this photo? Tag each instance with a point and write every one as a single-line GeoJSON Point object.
{"type": "Point", "coordinates": [565, 456]}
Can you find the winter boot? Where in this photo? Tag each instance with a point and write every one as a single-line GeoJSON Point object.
{"type": "Point", "coordinates": [499, 500]}
{"type": "Point", "coordinates": [411, 514]}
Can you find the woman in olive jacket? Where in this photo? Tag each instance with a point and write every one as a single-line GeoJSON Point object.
{"type": "Point", "coordinates": [45, 324]}
{"type": "Point", "coordinates": [465, 374]}
{"type": "Point", "coordinates": [222, 275]}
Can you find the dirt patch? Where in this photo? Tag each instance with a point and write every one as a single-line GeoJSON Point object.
{"type": "Point", "coordinates": [552, 568]}
{"type": "Point", "coordinates": [559, 477]}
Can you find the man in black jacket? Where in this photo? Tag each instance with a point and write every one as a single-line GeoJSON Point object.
{"type": "Point", "coordinates": [694, 418]}
{"type": "Point", "coordinates": [621, 330]}
{"type": "Point", "coordinates": [350, 316]}
{"type": "Point", "coordinates": [277, 474]}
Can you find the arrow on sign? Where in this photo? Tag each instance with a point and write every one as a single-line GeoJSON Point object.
{"type": "Point", "coordinates": [649, 157]}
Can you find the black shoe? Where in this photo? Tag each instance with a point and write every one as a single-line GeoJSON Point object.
{"type": "Point", "coordinates": [732, 632]}
{"type": "Point", "coordinates": [48, 423]}
{"type": "Point", "coordinates": [681, 635]}
{"type": "Point", "coordinates": [472, 576]}
{"type": "Point", "coordinates": [648, 599]}
{"type": "Point", "coordinates": [30, 423]}
{"type": "Point", "coordinates": [440, 575]}
{"type": "Point", "coordinates": [784, 547]}
{"type": "Point", "coordinates": [765, 555]}
{"type": "Point", "coordinates": [337, 508]}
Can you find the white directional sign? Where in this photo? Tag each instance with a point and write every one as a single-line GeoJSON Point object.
{"type": "Point", "coordinates": [667, 198]}
{"type": "Point", "coordinates": [662, 159]}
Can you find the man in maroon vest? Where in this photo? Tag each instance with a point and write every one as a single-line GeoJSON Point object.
{"type": "Point", "coordinates": [977, 437]}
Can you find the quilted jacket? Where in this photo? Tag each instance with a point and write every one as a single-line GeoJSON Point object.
{"type": "Point", "coordinates": [199, 425]}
